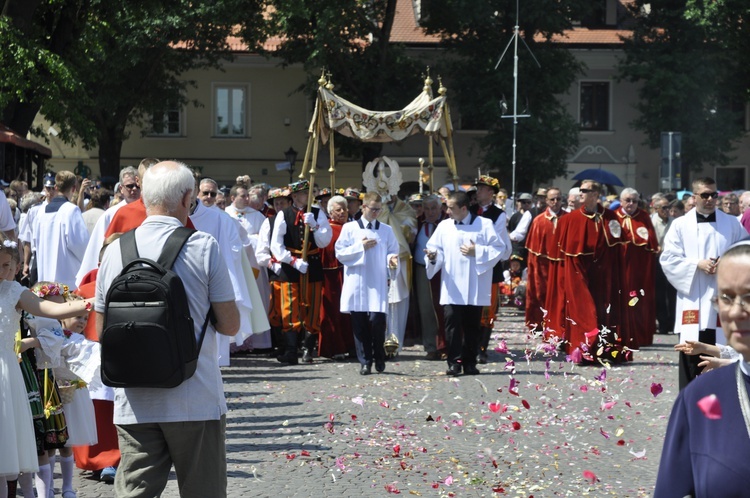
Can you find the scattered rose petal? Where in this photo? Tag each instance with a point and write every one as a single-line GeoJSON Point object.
{"type": "Point", "coordinates": [384, 404]}
{"type": "Point", "coordinates": [502, 347]}
{"type": "Point", "coordinates": [603, 433]}
{"type": "Point", "coordinates": [656, 389]}
{"type": "Point", "coordinates": [448, 480]}
{"type": "Point", "coordinates": [638, 455]}
{"type": "Point", "coordinates": [397, 449]}
{"type": "Point", "coordinates": [304, 453]}
{"type": "Point", "coordinates": [513, 387]}
{"type": "Point", "coordinates": [359, 401]}
{"type": "Point", "coordinates": [590, 476]}
{"type": "Point", "coordinates": [354, 418]}
{"type": "Point", "coordinates": [516, 426]}
{"type": "Point", "coordinates": [576, 356]}
{"type": "Point", "coordinates": [584, 388]}
{"type": "Point", "coordinates": [525, 404]}
{"type": "Point", "coordinates": [494, 407]}
{"type": "Point", "coordinates": [710, 407]}
{"type": "Point", "coordinates": [621, 442]}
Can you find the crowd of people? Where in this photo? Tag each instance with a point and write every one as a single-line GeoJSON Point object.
{"type": "Point", "coordinates": [300, 272]}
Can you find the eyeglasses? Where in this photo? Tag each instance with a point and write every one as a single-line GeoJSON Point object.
{"type": "Point", "coordinates": [663, 208]}
{"type": "Point", "coordinates": [709, 195]}
{"type": "Point", "coordinates": [554, 199]}
{"type": "Point", "coordinates": [132, 186]}
{"type": "Point", "coordinates": [629, 201]}
{"type": "Point", "coordinates": [210, 194]}
{"type": "Point", "coordinates": [585, 190]}
{"type": "Point", "coordinates": [726, 301]}
{"type": "Point", "coordinates": [374, 210]}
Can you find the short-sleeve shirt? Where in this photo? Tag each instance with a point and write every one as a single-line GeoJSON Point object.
{"type": "Point", "coordinates": [206, 279]}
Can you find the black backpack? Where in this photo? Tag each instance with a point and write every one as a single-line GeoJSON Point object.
{"type": "Point", "coordinates": [148, 338]}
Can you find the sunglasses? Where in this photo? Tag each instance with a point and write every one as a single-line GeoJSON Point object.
{"type": "Point", "coordinates": [553, 199]}
{"type": "Point", "coordinates": [210, 194]}
{"type": "Point", "coordinates": [132, 186]}
{"type": "Point", "coordinates": [709, 195]}
{"type": "Point", "coordinates": [585, 190]}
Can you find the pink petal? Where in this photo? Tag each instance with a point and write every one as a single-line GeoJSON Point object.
{"type": "Point", "coordinates": [576, 356]}
{"type": "Point", "coordinates": [710, 407]}
{"type": "Point", "coordinates": [589, 476]}
{"type": "Point", "coordinates": [494, 407]}
{"type": "Point", "coordinates": [449, 480]}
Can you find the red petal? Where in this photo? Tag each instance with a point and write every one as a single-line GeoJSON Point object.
{"type": "Point", "coordinates": [589, 476]}
{"type": "Point", "coordinates": [656, 389]}
{"type": "Point", "coordinates": [710, 407]}
{"type": "Point", "coordinates": [525, 404]}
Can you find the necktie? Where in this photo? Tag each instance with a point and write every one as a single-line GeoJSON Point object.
{"type": "Point", "coordinates": [480, 211]}
{"type": "Point", "coordinates": [369, 226]}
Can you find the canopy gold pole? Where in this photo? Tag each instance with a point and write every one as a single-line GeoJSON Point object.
{"type": "Point", "coordinates": [430, 163]}
{"type": "Point", "coordinates": [332, 167]}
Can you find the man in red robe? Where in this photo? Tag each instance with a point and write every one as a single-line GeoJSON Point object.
{"type": "Point", "coordinates": [589, 241]}
{"type": "Point", "coordinates": [541, 240]}
{"type": "Point", "coordinates": [638, 277]}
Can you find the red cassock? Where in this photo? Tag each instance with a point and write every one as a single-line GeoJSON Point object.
{"type": "Point", "coordinates": [591, 274]}
{"type": "Point", "coordinates": [106, 452]}
{"type": "Point", "coordinates": [541, 240]}
{"type": "Point", "coordinates": [638, 277]}
{"type": "Point", "coordinates": [130, 217]}
{"type": "Point", "coordinates": [335, 327]}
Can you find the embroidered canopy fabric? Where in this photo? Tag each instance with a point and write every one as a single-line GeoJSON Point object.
{"type": "Point", "coordinates": [423, 115]}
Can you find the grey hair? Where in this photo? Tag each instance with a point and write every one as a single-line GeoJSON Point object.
{"type": "Point", "coordinates": [211, 181]}
{"type": "Point", "coordinates": [431, 199]}
{"type": "Point", "coordinates": [165, 186]}
{"type": "Point", "coordinates": [336, 200]}
{"type": "Point", "coordinates": [30, 200]}
{"type": "Point", "coordinates": [629, 191]}
{"type": "Point", "coordinates": [128, 171]}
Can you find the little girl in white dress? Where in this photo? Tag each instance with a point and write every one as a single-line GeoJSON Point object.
{"type": "Point", "coordinates": [17, 442]}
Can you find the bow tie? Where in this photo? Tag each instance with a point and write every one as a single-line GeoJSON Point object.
{"type": "Point", "coordinates": [711, 218]}
{"type": "Point", "coordinates": [458, 222]}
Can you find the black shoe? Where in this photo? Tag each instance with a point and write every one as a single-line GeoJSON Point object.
{"type": "Point", "coordinates": [288, 358]}
{"type": "Point", "coordinates": [306, 356]}
{"type": "Point", "coordinates": [432, 356]}
{"type": "Point", "coordinates": [365, 370]}
{"type": "Point", "coordinates": [482, 358]}
{"type": "Point", "coordinates": [380, 367]}
{"type": "Point", "coordinates": [471, 370]}
{"type": "Point", "coordinates": [453, 370]}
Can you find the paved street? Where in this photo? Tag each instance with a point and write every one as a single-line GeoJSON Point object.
{"type": "Point", "coordinates": [324, 430]}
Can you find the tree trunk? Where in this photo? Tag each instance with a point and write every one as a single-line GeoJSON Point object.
{"type": "Point", "coordinates": [110, 146]}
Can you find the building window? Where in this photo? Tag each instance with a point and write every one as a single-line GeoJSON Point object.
{"type": "Point", "coordinates": [167, 124]}
{"type": "Point", "coordinates": [230, 117]}
{"type": "Point", "coordinates": [594, 109]}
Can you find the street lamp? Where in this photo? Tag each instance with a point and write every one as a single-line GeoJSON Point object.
{"type": "Point", "coordinates": [291, 158]}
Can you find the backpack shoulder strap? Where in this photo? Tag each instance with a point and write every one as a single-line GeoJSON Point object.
{"type": "Point", "coordinates": [173, 246]}
{"type": "Point", "coordinates": [128, 248]}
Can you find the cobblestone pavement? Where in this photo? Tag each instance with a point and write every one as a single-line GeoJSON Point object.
{"type": "Point", "coordinates": [324, 430]}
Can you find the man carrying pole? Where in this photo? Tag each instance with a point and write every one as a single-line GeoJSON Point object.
{"type": "Point", "coordinates": [299, 282]}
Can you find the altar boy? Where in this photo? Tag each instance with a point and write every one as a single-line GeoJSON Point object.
{"type": "Point", "coordinates": [368, 249]}
{"type": "Point", "coordinates": [466, 248]}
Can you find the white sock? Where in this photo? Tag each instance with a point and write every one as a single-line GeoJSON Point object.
{"type": "Point", "coordinates": [26, 483]}
{"type": "Point", "coordinates": [51, 490]}
{"type": "Point", "coordinates": [43, 481]}
{"type": "Point", "coordinates": [66, 467]}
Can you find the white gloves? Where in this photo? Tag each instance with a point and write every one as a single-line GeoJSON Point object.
{"type": "Point", "coordinates": [310, 220]}
{"type": "Point", "coordinates": [299, 264]}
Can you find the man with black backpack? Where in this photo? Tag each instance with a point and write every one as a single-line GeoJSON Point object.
{"type": "Point", "coordinates": [161, 290]}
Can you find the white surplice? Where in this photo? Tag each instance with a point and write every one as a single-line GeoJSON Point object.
{"type": "Point", "coordinates": [465, 280]}
{"type": "Point", "coordinates": [686, 243]}
{"type": "Point", "coordinates": [226, 231]}
{"type": "Point", "coordinates": [96, 241]}
{"type": "Point", "coordinates": [60, 237]}
{"type": "Point", "coordinates": [365, 286]}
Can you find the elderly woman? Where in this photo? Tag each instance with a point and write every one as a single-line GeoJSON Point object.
{"type": "Point", "coordinates": [336, 337]}
{"type": "Point", "coordinates": [707, 446]}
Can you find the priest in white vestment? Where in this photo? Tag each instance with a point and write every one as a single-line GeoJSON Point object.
{"type": "Point", "coordinates": [368, 249]}
{"type": "Point", "coordinates": [692, 249]}
{"type": "Point", "coordinates": [466, 248]}
{"type": "Point", "coordinates": [226, 231]}
{"type": "Point", "coordinates": [60, 234]}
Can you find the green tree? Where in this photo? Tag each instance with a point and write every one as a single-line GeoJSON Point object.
{"type": "Point", "coordinates": [352, 41]}
{"type": "Point", "coordinates": [690, 78]}
{"type": "Point", "coordinates": [125, 62]}
{"type": "Point", "coordinates": [475, 34]}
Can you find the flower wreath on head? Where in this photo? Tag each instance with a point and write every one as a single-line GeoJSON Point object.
{"type": "Point", "coordinates": [44, 289]}
{"type": "Point", "coordinates": [9, 243]}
